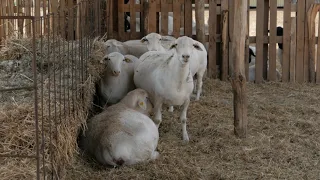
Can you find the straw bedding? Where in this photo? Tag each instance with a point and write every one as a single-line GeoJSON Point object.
{"type": "Point", "coordinates": [282, 143]}
{"type": "Point", "coordinates": [59, 74]}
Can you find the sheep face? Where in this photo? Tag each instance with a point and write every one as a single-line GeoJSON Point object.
{"type": "Point", "coordinates": [185, 47]}
{"type": "Point", "coordinates": [153, 41]}
{"type": "Point", "coordinates": [138, 99]}
{"type": "Point", "coordinates": [114, 62]}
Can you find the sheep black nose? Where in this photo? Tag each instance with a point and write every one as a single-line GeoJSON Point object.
{"type": "Point", "coordinates": [185, 56]}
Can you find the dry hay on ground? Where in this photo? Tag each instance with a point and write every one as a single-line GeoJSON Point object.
{"type": "Point", "coordinates": [283, 140]}
{"type": "Point", "coordinates": [61, 73]}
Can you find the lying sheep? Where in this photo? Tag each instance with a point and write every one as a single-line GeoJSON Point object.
{"type": "Point", "coordinates": [166, 76]}
{"type": "Point", "coordinates": [117, 80]}
{"type": "Point", "coordinates": [123, 134]}
{"type": "Point", "coordinates": [133, 47]}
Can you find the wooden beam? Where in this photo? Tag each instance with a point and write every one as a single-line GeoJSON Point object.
{"type": "Point", "coordinates": [212, 69]}
{"type": "Point", "coordinates": [238, 81]}
{"type": "Point", "coordinates": [300, 41]}
{"type": "Point", "coordinates": [273, 37]}
{"type": "Point", "coordinates": [200, 32]}
{"type": "Point", "coordinates": [293, 49]}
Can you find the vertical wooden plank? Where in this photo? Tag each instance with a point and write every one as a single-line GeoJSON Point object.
{"type": "Point", "coordinates": [54, 19]}
{"type": "Point", "coordinates": [1, 27]}
{"type": "Point", "coordinates": [132, 19]}
{"type": "Point", "coordinates": [78, 23]}
{"type": "Point", "coordinates": [247, 41]}
{"type": "Point", "coordinates": [259, 43]}
{"type": "Point", "coordinates": [300, 41]}
{"type": "Point", "coordinates": [231, 21]}
{"type": "Point", "coordinates": [273, 39]}
{"type": "Point", "coordinates": [311, 15]}
{"type": "Point", "coordinates": [225, 40]}
{"type": "Point", "coordinates": [110, 18]}
{"type": "Point", "coordinates": [188, 18]}
{"type": "Point", "coordinates": [181, 15]}
{"type": "Point", "coordinates": [28, 13]}
{"type": "Point", "coordinates": [44, 14]}
{"type": "Point", "coordinates": [121, 21]}
{"type": "Point", "coordinates": [176, 18]}
{"type": "Point", "coordinates": [164, 17]}
{"type": "Point", "coordinates": [10, 13]}
{"type": "Point", "coordinates": [20, 13]}
{"type": "Point", "coordinates": [37, 15]}
{"type": "Point", "coordinates": [265, 33]}
{"type": "Point", "coordinates": [70, 19]}
{"type": "Point", "coordinates": [212, 69]}
{"type": "Point", "coordinates": [199, 8]}
{"type": "Point", "coordinates": [62, 18]}
{"type": "Point", "coordinates": [152, 18]}
{"type": "Point", "coordinates": [318, 56]}
{"type": "Point", "coordinates": [293, 49]}
{"type": "Point", "coordinates": [306, 60]}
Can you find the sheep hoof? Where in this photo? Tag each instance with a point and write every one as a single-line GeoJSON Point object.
{"type": "Point", "coordinates": [185, 138]}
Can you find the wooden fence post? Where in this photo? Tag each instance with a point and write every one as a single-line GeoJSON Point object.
{"type": "Point", "coordinates": [293, 48]}
{"type": "Point", "coordinates": [199, 8]}
{"type": "Point", "coordinates": [212, 61]}
{"type": "Point", "coordinates": [238, 80]}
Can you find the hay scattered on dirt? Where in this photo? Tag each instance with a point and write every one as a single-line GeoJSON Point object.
{"type": "Point", "coordinates": [60, 81]}
{"type": "Point", "coordinates": [283, 140]}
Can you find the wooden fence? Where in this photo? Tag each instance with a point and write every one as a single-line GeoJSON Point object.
{"type": "Point", "coordinates": [64, 17]}
{"type": "Point", "coordinates": [300, 54]}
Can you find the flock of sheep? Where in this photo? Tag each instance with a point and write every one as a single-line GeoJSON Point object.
{"type": "Point", "coordinates": [140, 77]}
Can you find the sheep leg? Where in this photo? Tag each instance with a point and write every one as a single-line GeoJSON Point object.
{"type": "Point", "coordinates": [157, 113]}
{"type": "Point", "coordinates": [183, 118]}
{"type": "Point", "coordinates": [195, 78]}
{"type": "Point", "coordinates": [199, 86]}
{"type": "Point", "coordinates": [170, 108]}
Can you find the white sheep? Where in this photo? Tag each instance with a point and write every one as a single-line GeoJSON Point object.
{"type": "Point", "coordinates": [123, 134]}
{"type": "Point", "coordinates": [156, 42]}
{"type": "Point", "coordinates": [198, 62]}
{"type": "Point", "coordinates": [167, 77]}
{"type": "Point", "coordinates": [133, 47]}
{"type": "Point", "coordinates": [117, 80]}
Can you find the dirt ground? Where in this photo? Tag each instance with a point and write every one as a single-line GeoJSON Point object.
{"type": "Point", "coordinates": [283, 138]}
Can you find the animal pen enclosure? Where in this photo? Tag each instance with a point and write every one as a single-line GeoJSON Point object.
{"type": "Point", "coordinates": [60, 36]}
{"type": "Point", "coordinates": [298, 24]}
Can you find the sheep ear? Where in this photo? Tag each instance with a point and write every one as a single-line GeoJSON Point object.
{"type": "Point", "coordinates": [173, 46]}
{"type": "Point", "coordinates": [142, 105]}
{"type": "Point", "coordinates": [144, 39]}
{"type": "Point", "coordinates": [127, 60]}
{"type": "Point", "coordinates": [197, 47]}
